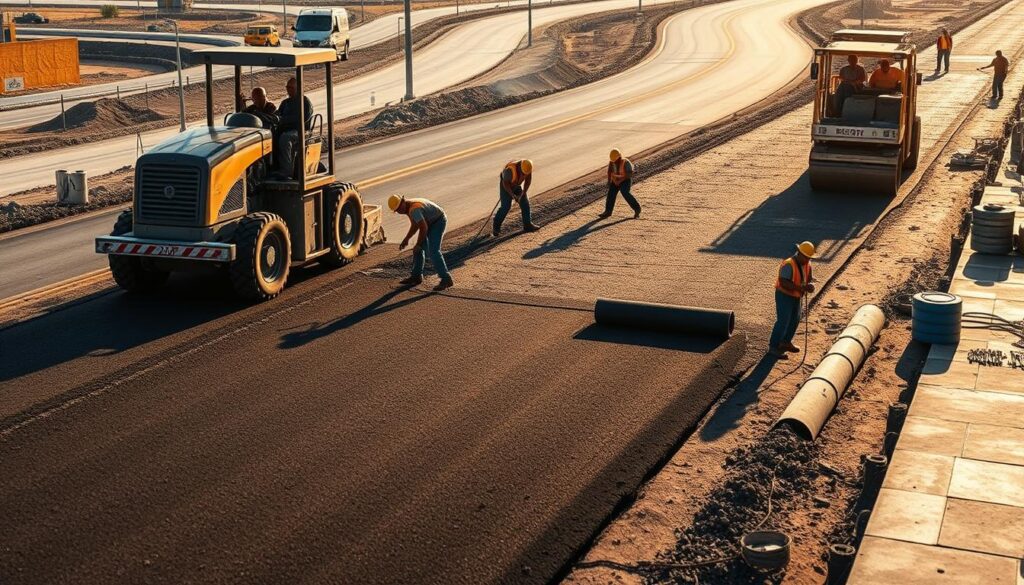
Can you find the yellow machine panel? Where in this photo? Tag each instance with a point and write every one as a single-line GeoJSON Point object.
{"type": "Point", "coordinates": [227, 173]}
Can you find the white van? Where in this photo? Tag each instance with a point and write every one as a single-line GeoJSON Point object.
{"type": "Point", "coordinates": [323, 27]}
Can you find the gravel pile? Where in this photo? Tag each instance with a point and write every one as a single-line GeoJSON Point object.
{"type": "Point", "coordinates": [440, 107]}
{"type": "Point", "coordinates": [102, 114]}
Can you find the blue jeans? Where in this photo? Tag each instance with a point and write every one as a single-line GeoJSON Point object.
{"type": "Point", "coordinates": [997, 86]}
{"type": "Point", "coordinates": [624, 188]}
{"type": "Point", "coordinates": [506, 205]}
{"type": "Point", "coordinates": [942, 56]}
{"type": "Point", "coordinates": [435, 233]}
{"type": "Point", "coordinates": [787, 319]}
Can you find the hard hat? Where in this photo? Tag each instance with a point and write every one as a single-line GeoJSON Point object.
{"type": "Point", "coordinates": [394, 201]}
{"type": "Point", "coordinates": [806, 248]}
{"type": "Point", "coordinates": [614, 155]}
{"type": "Point", "coordinates": [527, 165]}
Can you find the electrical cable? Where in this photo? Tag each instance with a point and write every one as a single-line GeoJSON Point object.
{"type": "Point", "coordinates": [993, 322]}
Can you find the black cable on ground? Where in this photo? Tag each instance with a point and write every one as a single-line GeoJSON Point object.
{"type": "Point", "coordinates": [992, 322]}
{"type": "Point", "coordinates": [803, 355]}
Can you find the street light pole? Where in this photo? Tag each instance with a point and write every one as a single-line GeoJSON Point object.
{"type": "Point", "coordinates": [862, 14]}
{"type": "Point", "coordinates": [181, 88]}
{"type": "Point", "coordinates": [284, 15]}
{"type": "Point", "coordinates": [529, 23]}
{"type": "Point", "coordinates": [409, 95]}
{"type": "Point", "coordinates": [399, 35]}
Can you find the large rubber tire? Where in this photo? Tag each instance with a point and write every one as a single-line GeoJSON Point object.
{"type": "Point", "coordinates": [344, 229]}
{"type": "Point", "coordinates": [262, 256]}
{"type": "Point", "coordinates": [344, 56]}
{"type": "Point", "coordinates": [915, 146]}
{"type": "Point", "coordinates": [130, 273]}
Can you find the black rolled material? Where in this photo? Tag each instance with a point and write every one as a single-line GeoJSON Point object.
{"type": "Point", "coordinates": [665, 318]}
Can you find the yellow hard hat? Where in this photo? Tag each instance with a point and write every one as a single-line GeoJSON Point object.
{"type": "Point", "coordinates": [614, 155]}
{"type": "Point", "coordinates": [394, 201]}
{"type": "Point", "coordinates": [806, 248]}
{"type": "Point", "coordinates": [527, 165]}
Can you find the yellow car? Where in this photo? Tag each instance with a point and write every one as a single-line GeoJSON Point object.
{"type": "Point", "coordinates": [262, 35]}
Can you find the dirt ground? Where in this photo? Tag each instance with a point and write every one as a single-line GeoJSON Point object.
{"type": "Point", "coordinates": [93, 72]}
{"type": "Point", "coordinates": [199, 21]}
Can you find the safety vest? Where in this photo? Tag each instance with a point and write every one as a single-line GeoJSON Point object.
{"type": "Point", "coordinates": [517, 177]}
{"type": "Point", "coordinates": [800, 278]}
{"type": "Point", "coordinates": [945, 42]}
{"type": "Point", "coordinates": [618, 171]}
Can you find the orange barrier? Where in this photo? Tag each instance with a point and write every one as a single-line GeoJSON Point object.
{"type": "Point", "coordinates": [38, 63]}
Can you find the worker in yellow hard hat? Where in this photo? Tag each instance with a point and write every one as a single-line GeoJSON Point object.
{"type": "Point", "coordinates": [429, 221]}
{"type": "Point", "coordinates": [793, 282]}
{"type": "Point", "coordinates": [514, 183]}
{"type": "Point", "coordinates": [620, 179]}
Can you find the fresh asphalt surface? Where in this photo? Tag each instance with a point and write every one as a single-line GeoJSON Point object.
{"type": "Point", "coordinates": [347, 432]}
{"type": "Point", "coordinates": [701, 73]}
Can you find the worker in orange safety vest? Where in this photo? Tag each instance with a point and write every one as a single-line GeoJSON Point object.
{"type": "Point", "coordinates": [514, 184]}
{"type": "Point", "coordinates": [886, 76]}
{"type": "Point", "coordinates": [793, 282]}
{"type": "Point", "coordinates": [620, 179]}
{"type": "Point", "coordinates": [944, 46]}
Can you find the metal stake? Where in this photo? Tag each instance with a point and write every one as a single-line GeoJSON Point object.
{"type": "Point", "coordinates": [63, 118]}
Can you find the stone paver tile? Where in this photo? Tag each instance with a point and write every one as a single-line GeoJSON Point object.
{"type": "Point", "coordinates": [932, 435]}
{"type": "Point", "coordinates": [949, 373]}
{"type": "Point", "coordinates": [983, 527]}
{"type": "Point", "coordinates": [1009, 292]}
{"type": "Point", "coordinates": [984, 274]}
{"type": "Point", "coordinates": [985, 481]}
{"type": "Point", "coordinates": [1008, 309]}
{"type": "Point", "coordinates": [969, 288]}
{"type": "Point", "coordinates": [957, 404]}
{"type": "Point", "coordinates": [1000, 379]}
{"type": "Point", "coordinates": [909, 516]}
{"type": "Point", "coordinates": [956, 352]}
{"type": "Point", "coordinates": [987, 335]}
{"type": "Point", "coordinates": [975, 305]}
{"type": "Point", "coordinates": [988, 260]}
{"type": "Point", "coordinates": [882, 561]}
{"type": "Point", "coordinates": [992, 443]}
{"type": "Point", "coordinates": [924, 473]}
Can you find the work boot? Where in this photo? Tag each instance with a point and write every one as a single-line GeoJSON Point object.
{"type": "Point", "coordinates": [446, 282]}
{"type": "Point", "coordinates": [789, 347]}
{"type": "Point", "coordinates": [636, 214]}
{"type": "Point", "coordinates": [530, 227]}
{"type": "Point", "coordinates": [495, 232]}
{"type": "Point", "coordinates": [411, 281]}
{"type": "Point", "coordinates": [604, 215]}
{"type": "Point", "coordinates": [777, 353]}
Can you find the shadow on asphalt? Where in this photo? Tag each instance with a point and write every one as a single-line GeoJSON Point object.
{"type": "Point", "coordinates": [566, 240]}
{"type": "Point", "coordinates": [796, 214]}
{"type": "Point", "coordinates": [380, 306]}
{"type": "Point", "coordinates": [646, 338]}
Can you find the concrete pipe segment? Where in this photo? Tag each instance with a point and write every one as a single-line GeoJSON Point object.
{"type": "Point", "coordinates": [818, 396]}
{"type": "Point", "coordinates": [665, 318]}
{"type": "Point", "coordinates": [992, 229]}
{"type": "Point", "coordinates": [936, 318]}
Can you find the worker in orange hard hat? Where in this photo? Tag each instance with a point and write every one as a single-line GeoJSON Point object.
{"type": "Point", "coordinates": [886, 76]}
{"type": "Point", "coordinates": [620, 179]}
{"type": "Point", "coordinates": [793, 282]}
{"type": "Point", "coordinates": [514, 184]}
{"type": "Point", "coordinates": [427, 221]}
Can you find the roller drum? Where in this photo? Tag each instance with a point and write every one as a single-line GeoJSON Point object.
{"type": "Point", "coordinates": [867, 179]}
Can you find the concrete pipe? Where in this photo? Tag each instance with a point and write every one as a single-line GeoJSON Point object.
{"type": "Point", "coordinates": [666, 318]}
{"type": "Point", "coordinates": [818, 396]}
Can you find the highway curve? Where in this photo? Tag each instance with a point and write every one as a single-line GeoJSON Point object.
{"type": "Point", "coordinates": [710, 63]}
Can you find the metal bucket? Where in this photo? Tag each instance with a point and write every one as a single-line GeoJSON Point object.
{"type": "Point", "coordinates": [766, 551]}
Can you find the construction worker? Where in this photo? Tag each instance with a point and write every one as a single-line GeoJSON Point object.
{"type": "Point", "coordinates": [944, 46]}
{"type": "Point", "coordinates": [288, 128]}
{"type": "Point", "coordinates": [1000, 67]}
{"type": "Point", "coordinates": [852, 78]}
{"type": "Point", "coordinates": [620, 179]}
{"type": "Point", "coordinates": [429, 221]}
{"type": "Point", "coordinates": [793, 282]}
{"type": "Point", "coordinates": [886, 76]}
{"type": "Point", "coordinates": [514, 183]}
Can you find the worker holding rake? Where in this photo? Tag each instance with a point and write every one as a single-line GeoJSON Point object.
{"type": "Point", "coordinates": [792, 283]}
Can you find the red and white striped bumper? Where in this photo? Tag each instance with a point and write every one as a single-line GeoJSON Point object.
{"type": "Point", "coordinates": [129, 246]}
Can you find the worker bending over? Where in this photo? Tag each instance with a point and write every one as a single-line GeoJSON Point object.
{"type": "Point", "coordinates": [620, 179]}
{"type": "Point", "coordinates": [886, 76]}
{"type": "Point", "coordinates": [945, 47]}
{"type": "Point", "coordinates": [514, 184]}
{"type": "Point", "coordinates": [794, 281]}
{"type": "Point", "coordinates": [1000, 67]}
{"type": "Point", "coordinates": [428, 222]}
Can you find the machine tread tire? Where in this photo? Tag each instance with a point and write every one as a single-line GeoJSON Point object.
{"type": "Point", "coordinates": [245, 272]}
{"type": "Point", "coordinates": [128, 271]}
{"type": "Point", "coordinates": [344, 247]}
{"type": "Point", "coordinates": [915, 146]}
{"type": "Point", "coordinates": [344, 56]}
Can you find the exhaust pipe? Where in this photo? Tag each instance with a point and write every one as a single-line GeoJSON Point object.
{"type": "Point", "coordinates": [818, 396]}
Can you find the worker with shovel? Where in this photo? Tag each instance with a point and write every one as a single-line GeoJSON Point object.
{"type": "Point", "coordinates": [428, 222]}
{"type": "Point", "coordinates": [793, 282]}
{"type": "Point", "coordinates": [514, 183]}
{"type": "Point", "coordinates": [620, 179]}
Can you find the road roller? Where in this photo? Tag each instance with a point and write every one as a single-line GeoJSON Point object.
{"type": "Point", "coordinates": [865, 134]}
{"type": "Point", "coordinates": [228, 196]}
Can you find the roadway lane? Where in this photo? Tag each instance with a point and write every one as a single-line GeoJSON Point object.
{"type": "Point", "coordinates": [701, 72]}
{"type": "Point", "coordinates": [298, 442]}
{"type": "Point", "coordinates": [464, 52]}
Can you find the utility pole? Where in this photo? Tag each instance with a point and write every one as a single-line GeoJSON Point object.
{"type": "Point", "coordinates": [639, 6]}
{"type": "Point", "coordinates": [284, 16]}
{"type": "Point", "coordinates": [181, 88]}
{"type": "Point", "coordinates": [362, 10]}
{"type": "Point", "coordinates": [409, 95]}
{"type": "Point", "coordinates": [399, 34]}
{"type": "Point", "coordinates": [862, 14]}
{"type": "Point", "coordinates": [529, 23]}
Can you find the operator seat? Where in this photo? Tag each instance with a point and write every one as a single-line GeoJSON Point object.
{"type": "Point", "coordinates": [243, 120]}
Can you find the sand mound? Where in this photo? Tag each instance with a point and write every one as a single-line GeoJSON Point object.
{"type": "Point", "coordinates": [440, 107]}
{"type": "Point", "coordinates": [872, 9]}
{"type": "Point", "coordinates": [103, 114]}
